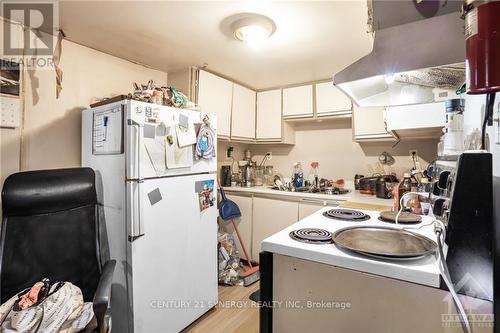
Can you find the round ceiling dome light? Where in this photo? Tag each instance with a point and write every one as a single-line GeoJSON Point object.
{"type": "Point", "coordinates": [253, 28]}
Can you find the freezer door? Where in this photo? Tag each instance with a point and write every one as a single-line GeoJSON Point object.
{"type": "Point", "coordinates": [150, 154]}
{"type": "Point", "coordinates": [173, 265]}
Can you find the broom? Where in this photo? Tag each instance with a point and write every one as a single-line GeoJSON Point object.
{"type": "Point", "coordinates": [229, 210]}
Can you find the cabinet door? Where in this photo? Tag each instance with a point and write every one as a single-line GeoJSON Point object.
{"type": "Point", "coordinates": [269, 115]}
{"type": "Point", "coordinates": [369, 123]}
{"type": "Point", "coordinates": [244, 223]}
{"type": "Point", "coordinates": [269, 217]}
{"type": "Point", "coordinates": [298, 102]}
{"type": "Point", "coordinates": [243, 113]}
{"type": "Point", "coordinates": [308, 206]}
{"type": "Point", "coordinates": [215, 96]}
{"type": "Point", "coordinates": [331, 101]}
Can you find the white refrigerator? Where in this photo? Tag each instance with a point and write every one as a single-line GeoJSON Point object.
{"type": "Point", "coordinates": [156, 182]}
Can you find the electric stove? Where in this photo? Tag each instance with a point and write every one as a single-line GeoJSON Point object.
{"type": "Point", "coordinates": [310, 239]}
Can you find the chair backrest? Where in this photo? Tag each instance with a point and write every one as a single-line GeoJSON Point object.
{"type": "Point", "coordinates": [49, 229]}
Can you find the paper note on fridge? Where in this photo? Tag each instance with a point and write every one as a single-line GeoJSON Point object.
{"type": "Point", "coordinates": [155, 148]}
{"type": "Point", "coordinates": [177, 157]}
{"type": "Point", "coordinates": [185, 136]}
{"type": "Point", "coordinates": [107, 133]}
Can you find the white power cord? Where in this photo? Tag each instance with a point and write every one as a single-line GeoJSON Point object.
{"type": "Point", "coordinates": [425, 194]}
{"type": "Point", "coordinates": [440, 231]}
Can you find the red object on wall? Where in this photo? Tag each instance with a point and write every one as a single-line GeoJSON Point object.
{"type": "Point", "coordinates": [482, 47]}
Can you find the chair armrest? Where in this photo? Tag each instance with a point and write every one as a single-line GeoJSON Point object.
{"type": "Point", "coordinates": [102, 295]}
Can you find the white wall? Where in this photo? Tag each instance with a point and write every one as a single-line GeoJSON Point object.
{"type": "Point", "coordinates": [331, 144]}
{"type": "Point", "coordinates": [473, 118]}
{"type": "Point", "coordinates": [51, 135]}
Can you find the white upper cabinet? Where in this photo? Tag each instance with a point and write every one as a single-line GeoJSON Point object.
{"type": "Point", "coordinates": [243, 116]}
{"type": "Point", "coordinates": [215, 96]}
{"type": "Point", "coordinates": [331, 101]}
{"type": "Point", "coordinates": [298, 102]}
{"type": "Point", "coordinates": [369, 124]}
{"type": "Point", "coordinates": [269, 115]}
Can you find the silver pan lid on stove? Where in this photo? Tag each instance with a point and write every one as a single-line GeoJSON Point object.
{"type": "Point", "coordinates": [384, 242]}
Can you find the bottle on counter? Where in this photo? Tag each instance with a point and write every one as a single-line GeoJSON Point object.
{"type": "Point", "coordinates": [404, 187]}
{"type": "Point", "coordinates": [298, 175]}
{"type": "Point", "coordinates": [314, 174]}
{"type": "Point", "coordinates": [425, 202]}
{"type": "Point", "coordinates": [405, 184]}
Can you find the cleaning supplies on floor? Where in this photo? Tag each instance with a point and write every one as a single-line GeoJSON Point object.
{"type": "Point", "coordinates": [229, 260]}
{"type": "Point", "coordinates": [229, 210]}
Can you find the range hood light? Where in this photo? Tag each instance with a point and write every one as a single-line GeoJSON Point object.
{"type": "Point", "coordinates": [389, 78]}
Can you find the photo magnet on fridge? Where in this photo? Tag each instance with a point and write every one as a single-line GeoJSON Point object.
{"type": "Point", "coordinates": [206, 194]}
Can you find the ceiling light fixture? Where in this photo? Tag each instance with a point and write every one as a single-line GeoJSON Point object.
{"type": "Point", "coordinates": [253, 28]}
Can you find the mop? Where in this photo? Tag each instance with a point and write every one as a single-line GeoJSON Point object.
{"type": "Point", "coordinates": [229, 210]}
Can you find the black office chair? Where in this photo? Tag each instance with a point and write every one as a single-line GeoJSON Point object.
{"type": "Point", "coordinates": [50, 229]}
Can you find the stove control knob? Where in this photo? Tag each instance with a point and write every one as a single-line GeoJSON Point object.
{"type": "Point", "coordinates": [439, 207]}
{"type": "Point", "coordinates": [435, 189]}
{"type": "Point", "coordinates": [443, 180]}
{"type": "Point", "coordinates": [446, 214]}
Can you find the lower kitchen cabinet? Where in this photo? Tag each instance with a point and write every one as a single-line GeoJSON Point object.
{"type": "Point", "coordinates": [269, 217]}
{"type": "Point", "coordinates": [244, 223]}
{"type": "Point", "coordinates": [307, 208]}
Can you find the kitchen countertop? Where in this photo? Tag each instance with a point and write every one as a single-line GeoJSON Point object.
{"type": "Point", "coordinates": [352, 196]}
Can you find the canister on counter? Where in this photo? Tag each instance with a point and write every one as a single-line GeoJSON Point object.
{"type": "Point", "coordinates": [356, 181]}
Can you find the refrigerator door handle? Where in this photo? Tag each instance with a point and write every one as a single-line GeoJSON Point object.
{"type": "Point", "coordinates": [135, 234]}
{"type": "Point", "coordinates": [139, 136]}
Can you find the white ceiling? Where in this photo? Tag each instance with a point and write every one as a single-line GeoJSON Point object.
{"type": "Point", "coordinates": [313, 39]}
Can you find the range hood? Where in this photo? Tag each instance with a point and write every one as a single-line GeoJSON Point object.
{"type": "Point", "coordinates": [417, 62]}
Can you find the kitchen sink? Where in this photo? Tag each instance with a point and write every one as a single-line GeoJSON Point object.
{"type": "Point", "coordinates": [310, 189]}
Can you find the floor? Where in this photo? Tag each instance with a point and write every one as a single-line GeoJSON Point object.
{"type": "Point", "coordinates": [234, 313]}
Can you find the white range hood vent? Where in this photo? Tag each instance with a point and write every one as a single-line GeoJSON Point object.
{"type": "Point", "coordinates": [417, 62]}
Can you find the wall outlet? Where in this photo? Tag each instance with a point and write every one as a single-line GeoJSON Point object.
{"type": "Point", "coordinates": [269, 155]}
{"type": "Point", "coordinates": [229, 152]}
{"type": "Point", "coordinates": [414, 154]}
